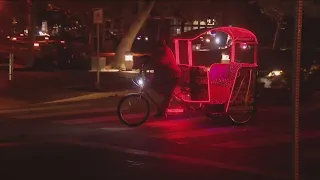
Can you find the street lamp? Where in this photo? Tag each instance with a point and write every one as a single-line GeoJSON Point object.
{"type": "Point", "coordinates": [128, 59]}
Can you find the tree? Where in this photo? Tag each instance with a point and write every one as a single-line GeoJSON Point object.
{"type": "Point", "coordinates": [276, 10]}
{"type": "Point", "coordinates": [128, 38]}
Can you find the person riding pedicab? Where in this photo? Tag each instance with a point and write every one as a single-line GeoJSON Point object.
{"type": "Point", "coordinates": [166, 74]}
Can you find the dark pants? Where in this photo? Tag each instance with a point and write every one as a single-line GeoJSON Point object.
{"type": "Point", "coordinates": [164, 86]}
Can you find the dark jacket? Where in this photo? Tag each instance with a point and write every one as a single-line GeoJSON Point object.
{"type": "Point", "coordinates": [165, 64]}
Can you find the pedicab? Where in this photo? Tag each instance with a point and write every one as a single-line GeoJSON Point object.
{"type": "Point", "coordinates": [219, 68]}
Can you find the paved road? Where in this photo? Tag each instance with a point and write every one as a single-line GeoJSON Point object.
{"type": "Point", "coordinates": [84, 140]}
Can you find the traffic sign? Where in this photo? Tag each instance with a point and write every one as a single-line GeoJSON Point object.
{"type": "Point", "coordinates": [98, 16]}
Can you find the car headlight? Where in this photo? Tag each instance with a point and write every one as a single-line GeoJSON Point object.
{"type": "Point", "coordinates": [275, 73]}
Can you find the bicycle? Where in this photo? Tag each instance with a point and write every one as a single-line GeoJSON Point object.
{"type": "Point", "coordinates": [142, 96]}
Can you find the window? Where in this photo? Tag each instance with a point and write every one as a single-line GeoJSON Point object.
{"type": "Point", "coordinates": [244, 53]}
{"type": "Point", "coordinates": [211, 22]}
{"type": "Point", "coordinates": [178, 31]}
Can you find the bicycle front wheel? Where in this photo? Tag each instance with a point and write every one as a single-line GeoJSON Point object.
{"type": "Point", "coordinates": [133, 110]}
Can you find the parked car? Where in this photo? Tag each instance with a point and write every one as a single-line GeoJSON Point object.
{"type": "Point", "coordinates": [276, 72]}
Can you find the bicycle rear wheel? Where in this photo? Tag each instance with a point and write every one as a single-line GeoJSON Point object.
{"type": "Point", "coordinates": [241, 118]}
{"type": "Point", "coordinates": [130, 103]}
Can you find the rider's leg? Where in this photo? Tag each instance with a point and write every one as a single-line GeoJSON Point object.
{"type": "Point", "coordinates": [168, 90]}
{"type": "Point", "coordinates": [156, 85]}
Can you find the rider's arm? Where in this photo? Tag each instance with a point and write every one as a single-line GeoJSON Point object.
{"type": "Point", "coordinates": [146, 60]}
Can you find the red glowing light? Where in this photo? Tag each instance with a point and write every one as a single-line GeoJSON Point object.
{"type": "Point", "coordinates": [244, 45]}
{"type": "Point", "coordinates": [190, 53]}
{"type": "Point", "coordinates": [176, 49]}
{"type": "Point", "coordinates": [237, 35]}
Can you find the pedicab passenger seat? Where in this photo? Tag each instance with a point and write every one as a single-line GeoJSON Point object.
{"type": "Point", "coordinates": [184, 81]}
{"type": "Point", "coordinates": [221, 77]}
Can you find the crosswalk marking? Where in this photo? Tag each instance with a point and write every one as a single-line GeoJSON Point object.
{"type": "Point", "coordinates": [63, 113]}
{"type": "Point", "coordinates": [265, 141]}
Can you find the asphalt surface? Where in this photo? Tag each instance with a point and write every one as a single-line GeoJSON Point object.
{"type": "Point", "coordinates": [85, 140]}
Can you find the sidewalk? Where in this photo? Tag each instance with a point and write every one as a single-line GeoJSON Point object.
{"type": "Point", "coordinates": [29, 88]}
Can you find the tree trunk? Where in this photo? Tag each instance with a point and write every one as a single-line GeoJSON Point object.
{"type": "Point", "coordinates": [129, 37]}
{"type": "Point", "coordinates": [276, 34]}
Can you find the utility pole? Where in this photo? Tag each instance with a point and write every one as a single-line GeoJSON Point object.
{"type": "Point", "coordinates": [296, 88]}
{"type": "Point", "coordinates": [31, 31]}
{"type": "Point", "coordinates": [98, 20]}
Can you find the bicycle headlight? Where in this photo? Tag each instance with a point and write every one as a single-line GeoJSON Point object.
{"type": "Point", "coordinates": [140, 82]}
{"type": "Point", "coordinates": [275, 73]}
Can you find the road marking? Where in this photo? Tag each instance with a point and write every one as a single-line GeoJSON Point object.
{"type": "Point", "coordinates": [202, 133]}
{"type": "Point", "coordinates": [30, 109]}
{"type": "Point", "coordinates": [63, 113]}
{"type": "Point", "coordinates": [265, 141]}
{"type": "Point", "coordinates": [198, 161]}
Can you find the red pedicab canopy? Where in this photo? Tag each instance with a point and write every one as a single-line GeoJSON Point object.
{"type": "Point", "coordinates": [237, 35]}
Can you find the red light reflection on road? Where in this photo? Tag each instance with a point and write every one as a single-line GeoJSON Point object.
{"type": "Point", "coordinates": [172, 125]}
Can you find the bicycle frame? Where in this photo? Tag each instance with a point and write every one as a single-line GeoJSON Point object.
{"type": "Point", "coordinates": [185, 104]}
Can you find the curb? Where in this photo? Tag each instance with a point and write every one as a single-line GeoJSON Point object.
{"type": "Point", "coordinates": [91, 96]}
{"type": "Point", "coordinates": [27, 106]}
